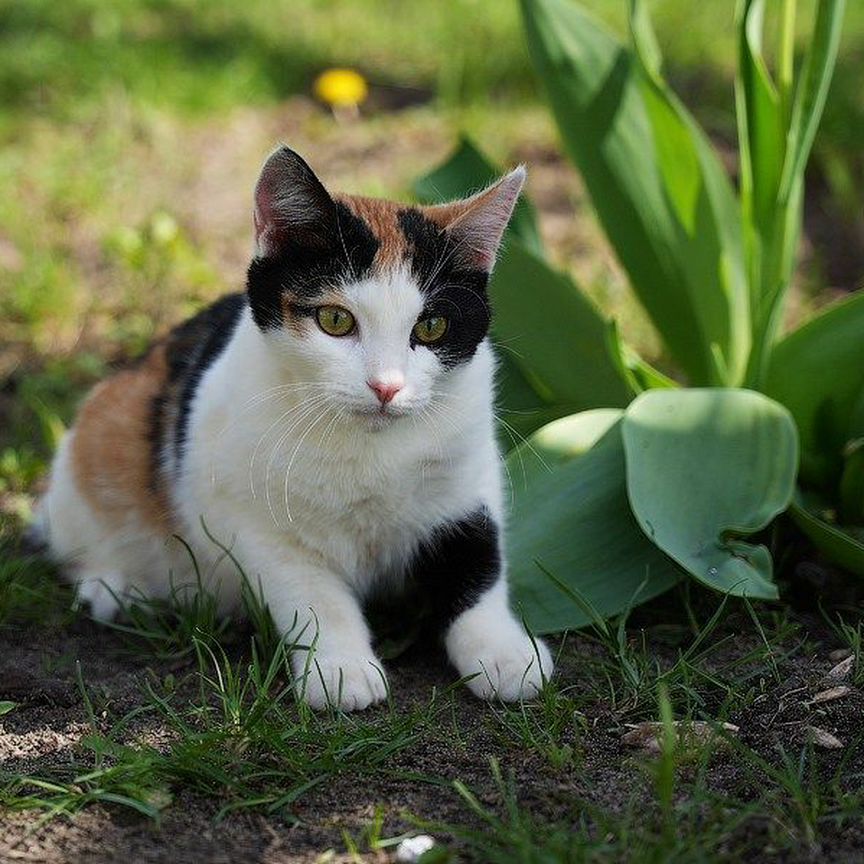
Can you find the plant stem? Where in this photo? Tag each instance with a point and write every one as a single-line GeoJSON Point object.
{"type": "Point", "coordinates": [786, 57]}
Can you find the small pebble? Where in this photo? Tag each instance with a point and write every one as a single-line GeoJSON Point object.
{"type": "Point", "coordinates": [839, 654]}
{"type": "Point", "coordinates": [648, 736]}
{"type": "Point", "coordinates": [842, 669]}
{"type": "Point", "coordinates": [824, 739]}
{"type": "Point", "coordinates": [830, 694]}
{"type": "Point", "coordinates": [410, 850]}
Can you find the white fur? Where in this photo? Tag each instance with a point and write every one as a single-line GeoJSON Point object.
{"type": "Point", "coordinates": [292, 467]}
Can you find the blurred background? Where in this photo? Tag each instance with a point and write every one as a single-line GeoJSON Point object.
{"type": "Point", "coordinates": [131, 133]}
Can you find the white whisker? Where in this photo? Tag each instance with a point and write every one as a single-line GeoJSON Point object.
{"type": "Point", "coordinates": [299, 444]}
{"type": "Point", "coordinates": [318, 410]}
{"type": "Point", "coordinates": [294, 408]}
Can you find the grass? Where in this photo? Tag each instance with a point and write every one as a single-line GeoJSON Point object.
{"type": "Point", "coordinates": [684, 818]}
{"type": "Point", "coordinates": [29, 589]}
{"type": "Point", "coordinates": [237, 735]}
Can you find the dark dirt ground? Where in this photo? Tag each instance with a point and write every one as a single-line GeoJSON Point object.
{"type": "Point", "coordinates": [37, 670]}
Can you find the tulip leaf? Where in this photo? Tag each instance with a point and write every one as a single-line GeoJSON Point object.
{"type": "Point", "coordinates": [570, 518]}
{"type": "Point", "coordinates": [657, 186]}
{"type": "Point", "coordinates": [774, 153]}
{"type": "Point", "coordinates": [553, 333]}
{"type": "Point", "coordinates": [520, 408]}
{"type": "Point", "coordinates": [835, 542]}
{"type": "Point", "coordinates": [817, 372]}
{"type": "Point", "coordinates": [706, 468]}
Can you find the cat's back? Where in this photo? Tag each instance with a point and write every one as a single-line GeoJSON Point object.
{"type": "Point", "coordinates": [113, 470]}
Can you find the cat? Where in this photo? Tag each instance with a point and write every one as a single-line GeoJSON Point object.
{"type": "Point", "coordinates": [332, 427]}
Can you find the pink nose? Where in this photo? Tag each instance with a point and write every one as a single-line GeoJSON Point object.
{"type": "Point", "coordinates": [384, 392]}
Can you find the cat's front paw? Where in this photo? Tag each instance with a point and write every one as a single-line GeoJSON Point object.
{"type": "Point", "coordinates": [103, 594]}
{"type": "Point", "coordinates": [346, 683]}
{"type": "Point", "coordinates": [509, 671]}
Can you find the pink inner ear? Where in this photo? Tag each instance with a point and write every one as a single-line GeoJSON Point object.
{"type": "Point", "coordinates": [480, 222]}
{"type": "Point", "coordinates": [290, 202]}
{"type": "Point", "coordinates": [483, 259]}
{"type": "Point", "coordinates": [263, 215]}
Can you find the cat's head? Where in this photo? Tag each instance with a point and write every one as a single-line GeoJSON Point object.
{"type": "Point", "coordinates": [372, 303]}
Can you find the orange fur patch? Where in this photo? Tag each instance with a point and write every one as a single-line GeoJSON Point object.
{"type": "Point", "coordinates": [111, 448]}
{"type": "Point", "coordinates": [382, 218]}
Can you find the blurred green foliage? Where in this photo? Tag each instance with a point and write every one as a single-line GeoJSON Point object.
{"type": "Point", "coordinates": [199, 55]}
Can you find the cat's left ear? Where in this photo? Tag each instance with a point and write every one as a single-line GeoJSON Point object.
{"type": "Point", "coordinates": [477, 224]}
{"type": "Point", "coordinates": [292, 207]}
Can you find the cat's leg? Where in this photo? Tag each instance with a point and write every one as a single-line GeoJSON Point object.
{"type": "Point", "coordinates": [462, 567]}
{"type": "Point", "coordinates": [315, 607]}
{"type": "Point", "coordinates": [488, 642]}
{"type": "Point", "coordinates": [103, 591]}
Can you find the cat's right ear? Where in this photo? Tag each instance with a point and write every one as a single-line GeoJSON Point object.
{"type": "Point", "coordinates": [292, 207]}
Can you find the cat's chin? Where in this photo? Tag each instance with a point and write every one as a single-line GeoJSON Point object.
{"type": "Point", "coordinates": [376, 419]}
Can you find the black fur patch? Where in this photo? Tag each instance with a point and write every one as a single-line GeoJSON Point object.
{"type": "Point", "coordinates": [456, 565]}
{"type": "Point", "coordinates": [452, 290]}
{"type": "Point", "coordinates": [196, 346]}
{"type": "Point", "coordinates": [304, 270]}
{"type": "Point", "coordinates": [190, 348]}
{"type": "Point", "coordinates": [158, 408]}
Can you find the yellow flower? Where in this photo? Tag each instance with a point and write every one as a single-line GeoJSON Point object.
{"type": "Point", "coordinates": [341, 87]}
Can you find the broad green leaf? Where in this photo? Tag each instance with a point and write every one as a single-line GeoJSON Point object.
{"type": "Point", "coordinates": [838, 546]}
{"type": "Point", "coordinates": [657, 186]}
{"type": "Point", "coordinates": [553, 333]}
{"type": "Point", "coordinates": [706, 468]}
{"type": "Point", "coordinates": [521, 410]}
{"type": "Point", "coordinates": [570, 518]}
{"type": "Point", "coordinates": [817, 372]}
{"type": "Point", "coordinates": [467, 171]}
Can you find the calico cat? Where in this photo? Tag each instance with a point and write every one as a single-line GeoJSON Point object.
{"type": "Point", "coordinates": [333, 426]}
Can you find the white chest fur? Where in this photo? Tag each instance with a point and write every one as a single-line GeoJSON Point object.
{"type": "Point", "coordinates": [262, 453]}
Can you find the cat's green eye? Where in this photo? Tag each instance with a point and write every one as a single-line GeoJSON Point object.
{"type": "Point", "coordinates": [334, 320]}
{"type": "Point", "coordinates": [430, 330]}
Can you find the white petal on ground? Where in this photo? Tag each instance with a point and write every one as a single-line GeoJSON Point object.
{"type": "Point", "coordinates": [412, 848]}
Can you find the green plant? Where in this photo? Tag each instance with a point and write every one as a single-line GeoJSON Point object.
{"type": "Point", "coordinates": [644, 478]}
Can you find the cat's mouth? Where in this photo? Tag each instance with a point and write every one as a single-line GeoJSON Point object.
{"type": "Point", "coordinates": [381, 416]}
